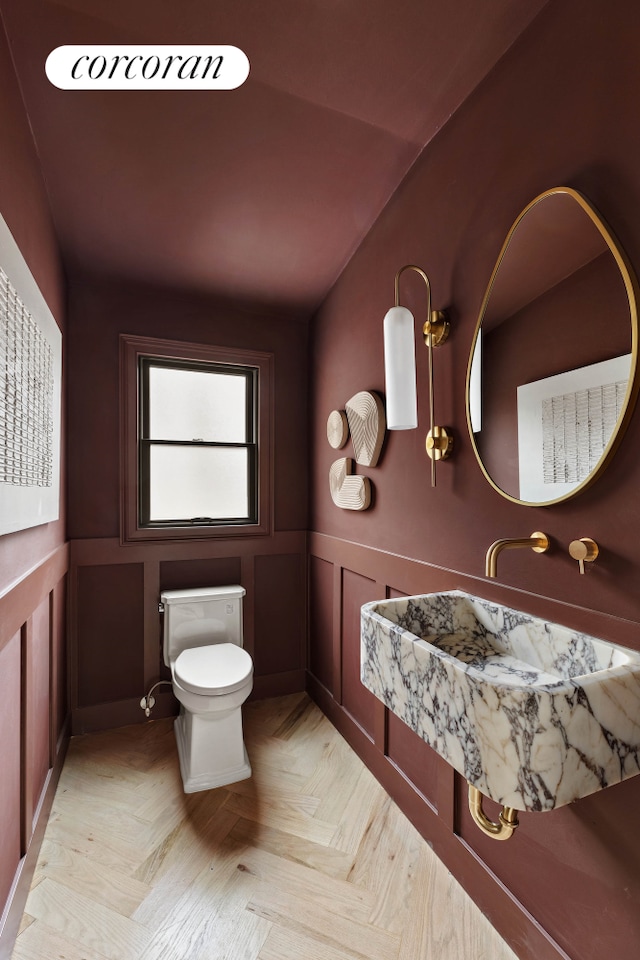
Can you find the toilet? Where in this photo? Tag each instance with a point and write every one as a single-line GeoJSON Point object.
{"type": "Point", "coordinates": [212, 676]}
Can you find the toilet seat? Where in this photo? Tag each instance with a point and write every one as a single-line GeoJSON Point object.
{"type": "Point", "coordinates": [213, 670]}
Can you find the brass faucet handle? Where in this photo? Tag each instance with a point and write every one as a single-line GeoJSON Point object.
{"type": "Point", "coordinates": [584, 551]}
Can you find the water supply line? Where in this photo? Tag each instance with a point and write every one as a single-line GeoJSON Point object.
{"type": "Point", "coordinates": [148, 701]}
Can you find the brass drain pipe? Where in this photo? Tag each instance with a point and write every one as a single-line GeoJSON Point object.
{"type": "Point", "coordinates": [507, 818]}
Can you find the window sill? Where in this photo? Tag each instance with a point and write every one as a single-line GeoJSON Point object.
{"type": "Point", "coordinates": [172, 534]}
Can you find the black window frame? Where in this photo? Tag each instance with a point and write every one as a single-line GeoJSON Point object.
{"type": "Point", "coordinates": [146, 442]}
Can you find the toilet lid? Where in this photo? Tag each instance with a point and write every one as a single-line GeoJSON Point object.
{"type": "Point", "coordinates": [215, 669]}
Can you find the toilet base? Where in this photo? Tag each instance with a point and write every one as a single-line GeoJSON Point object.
{"type": "Point", "coordinates": [211, 752]}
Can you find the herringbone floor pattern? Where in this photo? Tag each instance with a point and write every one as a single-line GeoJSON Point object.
{"type": "Point", "coordinates": [307, 860]}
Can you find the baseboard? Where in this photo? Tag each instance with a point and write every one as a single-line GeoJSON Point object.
{"type": "Point", "coordinates": [278, 684]}
{"type": "Point", "coordinates": [122, 713]}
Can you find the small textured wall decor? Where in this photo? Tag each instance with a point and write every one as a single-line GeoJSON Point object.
{"type": "Point", "coordinates": [30, 375]}
{"type": "Point", "coordinates": [347, 491]}
{"type": "Point", "coordinates": [365, 420]}
{"type": "Point", "coordinates": [337, 429]}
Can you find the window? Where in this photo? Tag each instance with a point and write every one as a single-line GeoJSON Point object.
{"type": "Point", "coordinates": [196, 441]}
{"type": "Point", "coordinates": [198, 453]}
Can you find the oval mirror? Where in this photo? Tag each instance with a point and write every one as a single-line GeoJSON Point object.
{"type": "Point", "coordinates": [552, 378]}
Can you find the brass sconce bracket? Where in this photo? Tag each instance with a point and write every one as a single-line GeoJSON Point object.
{"type": "Point", "coordinates": [437, 327]}
{"type": "Point", "coordinates": [439, 443]}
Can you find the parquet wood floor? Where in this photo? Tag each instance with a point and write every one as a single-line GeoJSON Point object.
{"type": "Point", "coordinates": [307, 860]}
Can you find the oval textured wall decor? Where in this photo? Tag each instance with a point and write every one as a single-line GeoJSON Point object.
{"type": "Point", "coordinates": [337, 429]}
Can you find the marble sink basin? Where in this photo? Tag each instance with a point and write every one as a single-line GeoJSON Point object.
{"type": "Point", "coordinates": [533, 714]}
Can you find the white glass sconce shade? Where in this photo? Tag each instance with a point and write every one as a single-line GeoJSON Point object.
{"type": "Point", "coordinates": [475, 386]}
{"type": "Point", "coordinates": [400, 369]}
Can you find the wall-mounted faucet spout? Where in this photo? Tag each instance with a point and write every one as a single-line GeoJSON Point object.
{"type": "Point", "coordinates": [538, 542]}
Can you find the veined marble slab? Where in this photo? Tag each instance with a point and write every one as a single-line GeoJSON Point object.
{"type": "Point", "coordinates": [531, 713]}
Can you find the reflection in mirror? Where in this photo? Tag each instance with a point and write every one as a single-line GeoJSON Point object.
{"type": "Point", "coordinates": [558, 332]}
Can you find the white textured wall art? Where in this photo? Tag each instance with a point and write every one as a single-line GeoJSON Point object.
{"type": "Point", "coordinates": [575, 430]}
{"type": "Point", "coordinates": [565, 424]}
{"type": "Point", "coordinates": [30, 372]}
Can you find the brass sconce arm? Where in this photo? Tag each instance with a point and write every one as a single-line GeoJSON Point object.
{"type": "Point", "coordinates": [436, 326]}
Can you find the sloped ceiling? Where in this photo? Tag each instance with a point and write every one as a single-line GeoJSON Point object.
{"type": "Point", "coordinates": [262, 193]}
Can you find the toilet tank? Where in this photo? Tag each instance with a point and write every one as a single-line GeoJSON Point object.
{"type": "Point", "coordinates": [201, 616]}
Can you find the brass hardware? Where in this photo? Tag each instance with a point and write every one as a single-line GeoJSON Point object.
{"type": "Point", "coordinates": [438, 327]}
{"type": "Point", "coordinates": [439, 442]}
{"type": "Point", "coordinates": [584, 551]}
{"type": "Point", "coordinates": [538, 542]}
{"type": "Point", "coordinates": [507, 818]}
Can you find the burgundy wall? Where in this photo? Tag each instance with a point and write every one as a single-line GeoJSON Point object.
{"type": "Point", "coordinates": [559, 109]}
{"type": "Point", "coordinates": [33, 563]}
{"type": "Point", "coordinates": [115, 627]}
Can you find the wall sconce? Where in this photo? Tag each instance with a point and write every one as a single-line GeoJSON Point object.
{"type": "Point", "coordinates": [400, 370]}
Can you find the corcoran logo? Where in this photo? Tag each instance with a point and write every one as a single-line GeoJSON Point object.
{"type": "Point", "coordinates": [147, 67]}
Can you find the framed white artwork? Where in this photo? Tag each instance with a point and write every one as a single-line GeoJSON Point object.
{"type": "Point", "coordinates": [30, 390]}
{"type": "Point", "coordinates": [565, 423]}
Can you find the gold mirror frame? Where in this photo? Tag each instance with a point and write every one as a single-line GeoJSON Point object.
{"type": "Point", "coordinates": [633, 384]}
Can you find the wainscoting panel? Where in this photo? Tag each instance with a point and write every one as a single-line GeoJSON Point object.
{"type": "Point", "coordinates": [321, 606]}
{"type": "Point", "coordinates": [34, 726]}
{"type": "Point", "coordinates": [37, 708]}
{"type": "Point", "coordinates": [110, 607]}
{"type": "Point", "coordinates": [183, 574]}
{"type": "Point", "coordinates": [363, 707]}
{"type": "Point", "coordinates": [415, 758]}
{"type": "Point", "coordinates": [280, 596]}
{"type": "Point", "coordinates": [59, 684]}
{"type": "Point", "coordinates": [10, 808]}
